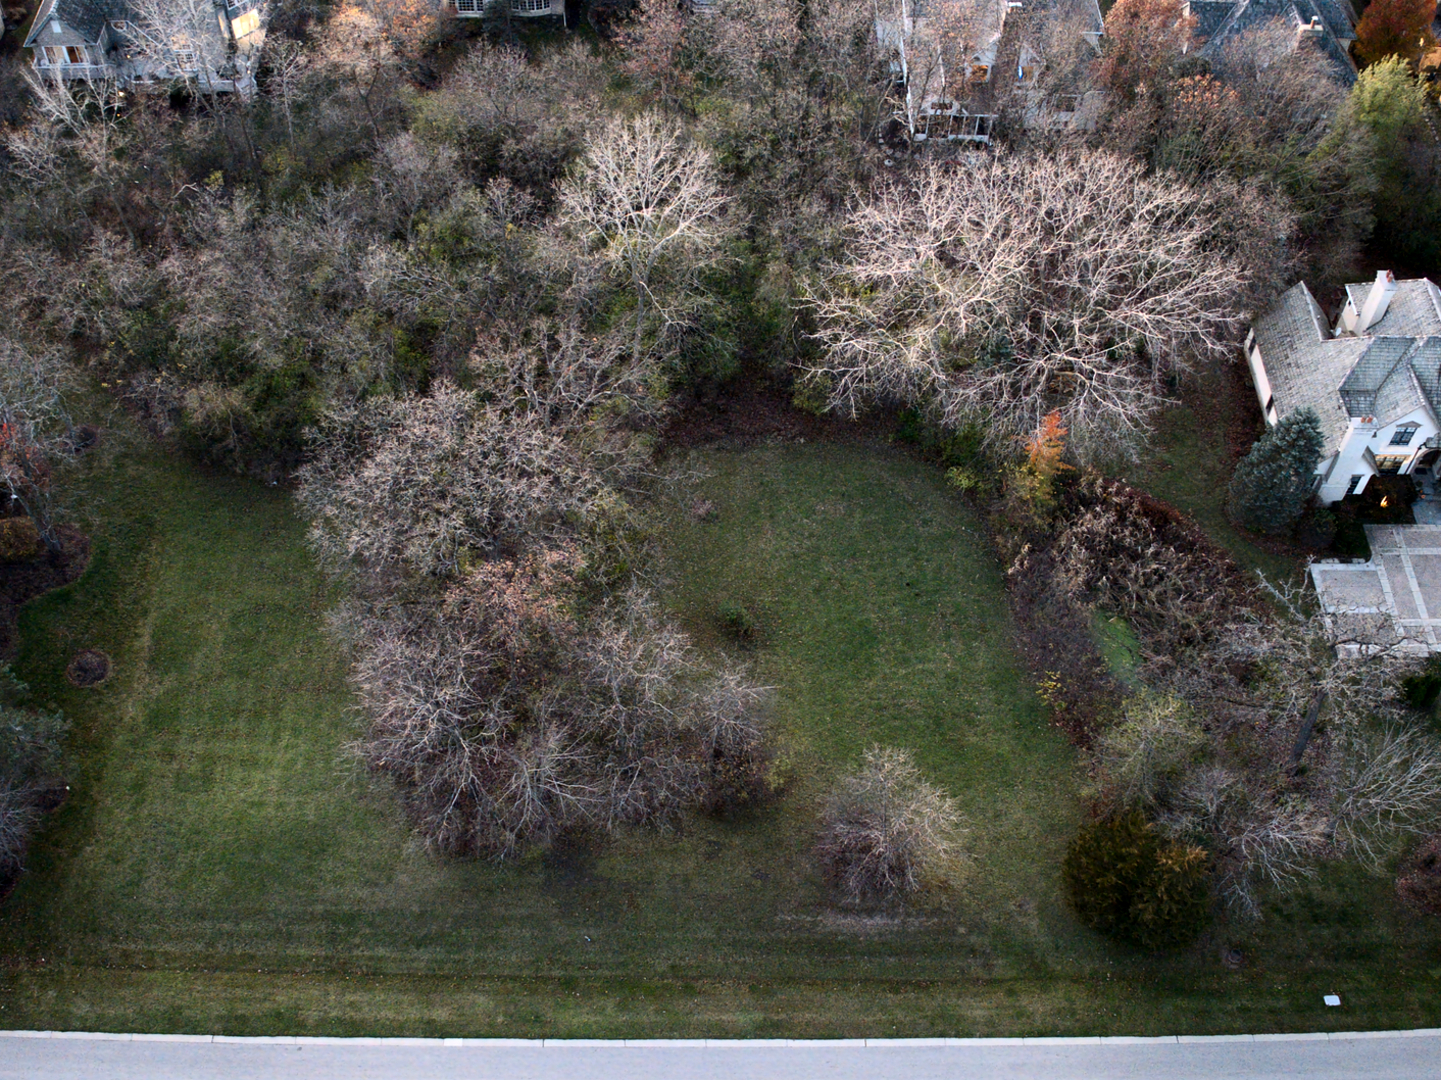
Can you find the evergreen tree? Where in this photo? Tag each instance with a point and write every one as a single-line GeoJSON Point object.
{"type": "Point", "coordinates": [1271, 485]}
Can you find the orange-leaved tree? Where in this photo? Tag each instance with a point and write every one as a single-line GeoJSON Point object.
{"type": "Point", "coordinates": [1144, 39]}
{"type": "Point", "coordinates": [1396, 28]}
{"type": "Point", "coordinates": [1045, 448]}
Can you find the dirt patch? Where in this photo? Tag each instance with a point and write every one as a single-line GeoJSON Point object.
{"type": "Point", "coordinates": [1419, 882]}
{"type": "Point", "coordinates": [23, 581]}
{"type": "Point", "coordinates": [757, 412]}
{"type": "Point", "coordinates": [91, 667]}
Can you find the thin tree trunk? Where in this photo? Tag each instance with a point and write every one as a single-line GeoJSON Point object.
{"type": "Point", "coordinates": [1303, 737]}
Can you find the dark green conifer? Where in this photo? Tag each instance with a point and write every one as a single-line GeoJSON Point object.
{"type": "Point", "coordinates": [1273, 482]}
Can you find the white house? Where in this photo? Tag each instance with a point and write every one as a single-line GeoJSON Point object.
{"type": "Point", "coordinates": [914, 38]}
{"type": "Point", "coordinates": [1374, 378]}
{"type": "Point", "coordinates": [519, 9]}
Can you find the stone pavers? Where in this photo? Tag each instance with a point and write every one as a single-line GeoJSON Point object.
{"type": "Point", "coordinates": [1400, 585]}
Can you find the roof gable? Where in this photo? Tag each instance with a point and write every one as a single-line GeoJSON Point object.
{"type": "Point", "coordinates": [85, 17]}
{"type": "Point", "coordinates": [1334, 17]}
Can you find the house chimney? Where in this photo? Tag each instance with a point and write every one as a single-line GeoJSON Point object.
{"type": "Point", "coordinates": [1312, 29]}
{"type": "Point", "coordinates": [1377, 300]}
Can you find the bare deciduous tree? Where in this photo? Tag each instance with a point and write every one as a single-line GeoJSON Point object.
{"type": "Point", "coordinates": [88, 113]}
{"type": "Point", "coordinates": [999, 290]}
{"type": "Point", "coordinates": [508, 721]}
{"type": "Point", "coordinates": [36, 434]}
{"type": "Point", "coordinates": [649, 201]}
{"type": "Point", "coordinates": [423, 485]}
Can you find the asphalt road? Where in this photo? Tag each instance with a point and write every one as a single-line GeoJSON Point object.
{"type": "Point", "coordinates": [1370, 1056]}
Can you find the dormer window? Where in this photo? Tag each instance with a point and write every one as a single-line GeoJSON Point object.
{"type": "Point", "coordinates": [1403, 434]}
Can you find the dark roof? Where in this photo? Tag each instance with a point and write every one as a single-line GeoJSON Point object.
{"type": "Point", "coordinates": [88, 17]}
{"type": "Point", "coordinates": [1209, 15]}
{"type": "Point", "coordinates": [1334, 17]}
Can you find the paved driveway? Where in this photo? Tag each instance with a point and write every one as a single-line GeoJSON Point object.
{"type": "Point", "coordinates": [1388, 1056]}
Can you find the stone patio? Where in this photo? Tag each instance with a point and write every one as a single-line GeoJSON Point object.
{"type": "Point", "coordinates": [1400, 585]}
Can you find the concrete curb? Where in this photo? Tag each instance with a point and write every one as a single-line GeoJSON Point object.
{"type": "Point", "coordinates": [733, 1044]}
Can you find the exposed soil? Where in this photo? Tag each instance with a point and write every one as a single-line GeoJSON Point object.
{"type": "Point", "coordinates": [757, 412]}
{"type": "Point", "coordinates": [91, 667]}
{"type": "Point", "coordinates": [24, 581]}
{"type": "Point", "coordinates": [1419, 882]}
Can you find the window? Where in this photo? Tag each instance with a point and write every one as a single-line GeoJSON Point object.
{"type": "Point", "coordinates": [468, 7]}
{"type": "Point", "coordinates": [185, 59]}
{"type": "Point", "coordinates": [980, 72]}
{"type": "Point", "coordinates": [1389, 464]}
{"type": "Point", "coordinates": [119, 24]}
{"type": "Point", "coordinates": [1403, 434]}
{"type": "Point", "coordinates": [1351, 487]}
{"type": "Point", "coordinates": [246, 25]}
{"type": "Point", "coordinates": [74, 54]}
{"type": "Point", "coordinates": [54, 55]}
{"type": "Point", "coordinates": [530, 6]}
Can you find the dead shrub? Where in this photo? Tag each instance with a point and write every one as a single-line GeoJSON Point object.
{"type": "Point", "coordinates": [1127, 552]}
{"type": "Point", "coordinates": [886, 832]}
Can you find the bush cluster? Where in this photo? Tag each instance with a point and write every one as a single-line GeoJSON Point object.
{"type": "Point", "coordinates": [1125, 879]}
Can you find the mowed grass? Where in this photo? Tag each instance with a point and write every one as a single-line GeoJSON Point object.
{"type": "Point", "coordinates": [223, 866]}
{"type": "Point", "coordinates": [1189, 465]}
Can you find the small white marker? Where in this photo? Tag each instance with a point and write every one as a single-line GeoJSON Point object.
{"type": "Point", "coordinates": [1332, 999]}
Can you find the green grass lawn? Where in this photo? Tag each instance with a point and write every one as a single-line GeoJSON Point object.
{"type": "Point", "coordinates": [1189, 466]}
{"type": "Point", "coordinates": [223, 866]}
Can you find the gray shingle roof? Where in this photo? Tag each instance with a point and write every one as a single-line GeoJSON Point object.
{"type": "Point", "coordinates": [1305, 365]}
{"type": "Point", "coordinates": [1414, 311]}
{"type": "Point", "coordinates": [88, 17]}
{"type": "Point", "coordinates": [1373, 369]}
{"type": "Point", "coordinates": [1210, 15]}
{"type": "Point", "coordinates": [1426, 366]}
{"type": "Point", "coordinates": [1335, 17]}
{"type": "Point", "coordinates": [1401, 392]}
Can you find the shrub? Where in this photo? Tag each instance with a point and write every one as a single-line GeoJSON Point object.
{"type": "Point", "coordinates": [886, 832]}
{"type": "Point", "coordinates": [1126, 880]}
{"type": "Point", "coordinates": [19, 539]}
{"type": "Point", "coordinates": [1273, 482]}
{"type": "Point", "coordinates": [1144, 756]}
{"type": "Point", "coordinates": [1317, 530]}
{"type": "Point", "coordinates": [739, 624]}
{"type": "Point", "coordinates": [29, 757]}
{"type": "Point", "coordinates": [1423, 688]}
